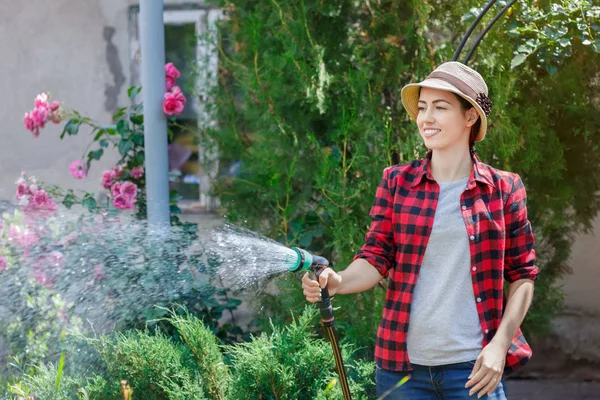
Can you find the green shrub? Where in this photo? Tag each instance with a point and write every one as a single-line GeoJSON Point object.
{"type": "Point", "coordinates": [291, 363]}
{"type": "Point", "coordinates": [43, 382]}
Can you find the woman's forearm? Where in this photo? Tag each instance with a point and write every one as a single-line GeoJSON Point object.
{"type": "Point", "coordinates": [520, 294]}
{"type": "Point", "coordinates": [358, 277]}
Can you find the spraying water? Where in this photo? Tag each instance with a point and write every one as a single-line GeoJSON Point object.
{"type": "Point", "coordinates": [92, 274]}
{"type": "Point", "coordinates": [95, 274]}
{"type": "Point", "coordinates": [245, 258]}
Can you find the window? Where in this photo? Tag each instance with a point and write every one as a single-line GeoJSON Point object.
{"type": "Point", "coordinates": [190, 44]}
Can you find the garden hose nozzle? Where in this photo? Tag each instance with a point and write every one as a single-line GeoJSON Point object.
{"type": "Point", "coordinates": [305, 261]}
{"type": "Point", "coordinates": [314, 265]}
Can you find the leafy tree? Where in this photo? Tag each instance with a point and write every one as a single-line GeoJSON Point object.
{"type": "Point", "coordinates": [309, 115]}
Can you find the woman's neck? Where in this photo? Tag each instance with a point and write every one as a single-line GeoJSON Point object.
{"type": "Point", "coordinates": [452, 165]}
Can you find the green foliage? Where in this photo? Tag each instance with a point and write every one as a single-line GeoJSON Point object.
{"type": "Point", "coordinates": [125, 134]}
{"type": "Point", "coordinates": [154, 366]}
{"type": "Point", "coordinates": [309, 114]}
{"type": "Point", "coordinates": [291, 363]}
{"type": "Point", "coordinates": [41, 382]}
{"type": "Point", "coordinates": [548, 30]}
{"type": "Point", "coordinates": [204, 346]}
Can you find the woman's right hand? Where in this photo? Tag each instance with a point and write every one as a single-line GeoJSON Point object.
{"type": "Point", "coordinates": [328, 278]}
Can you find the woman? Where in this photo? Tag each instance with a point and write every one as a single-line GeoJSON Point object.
{"type": "Point", "coordinates": [461, 228]}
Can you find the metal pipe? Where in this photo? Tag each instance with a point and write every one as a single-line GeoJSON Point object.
{"type": "Point", "coordinates": [471, 28]}
{"type": "Point", "coordinates": [487, 28]}
{"type": "Point", "coordinates": [152, 37]}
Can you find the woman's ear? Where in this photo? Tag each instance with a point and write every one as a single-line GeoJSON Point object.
{"type": "Point", "coordinates": [472, 116]}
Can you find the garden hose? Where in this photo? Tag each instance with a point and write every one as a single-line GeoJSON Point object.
{"type": "Point", "coordinates": [315, 265]}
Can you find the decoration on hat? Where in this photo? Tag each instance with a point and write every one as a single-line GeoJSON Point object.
{"type": "Point", "coordinates": [485, 103]}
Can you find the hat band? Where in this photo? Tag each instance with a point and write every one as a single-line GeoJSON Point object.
{"type": "Point", "coordinates": [480, 98]}
{"type": "Point", "coordinates": [454, 81]}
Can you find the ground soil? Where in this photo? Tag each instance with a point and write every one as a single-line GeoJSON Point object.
{"type": "Point", "coordinates": [541, 389]}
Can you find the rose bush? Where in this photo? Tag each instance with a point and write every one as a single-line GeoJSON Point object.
{"type": "Point", "coordinates": [98, 265]}
{"type": "Point", "coordinates": [126, 135]}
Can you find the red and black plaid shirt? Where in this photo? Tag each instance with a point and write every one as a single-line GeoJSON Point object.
{"type": "Point", "coordinates": [501, 243]}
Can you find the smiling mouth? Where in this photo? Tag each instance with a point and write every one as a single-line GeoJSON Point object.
{"type": "Point", "coordinates": [430, 132]}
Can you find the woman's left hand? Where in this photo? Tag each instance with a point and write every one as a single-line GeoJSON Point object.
{"type": "Point", "coordinates": [488, 370]}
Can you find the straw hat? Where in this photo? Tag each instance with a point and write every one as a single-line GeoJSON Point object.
{"type": "Point", "coordinates": [457, 78]}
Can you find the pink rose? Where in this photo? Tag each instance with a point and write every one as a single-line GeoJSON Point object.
{"type": "Point", "coordinates": [23, 190]}
{"type": "Point", "coordinates": [129, 190]}
{"type": "Point", "coordinates": [169, 83]}
{"type": "Point", "coordinates": [172, 106]}
{"type": "Point", "coordinates": [137, 172]}
{"type": "Point", "coordinates": [108, 178]}
{"type": "Point", "coordinates": [39, 116]}
{"type": "Point", "coordinates": [78, 169]}
{"type": "Point", "coordinates": [171, 71]}
{"type": "Point", "coordinates": [176, 91]}
{"type": "Point", "coordinates": [174, 102]}
{"type": "Point", "coordinates": [3, 264]}
{"type": "Point", "coordinates": [115, 189]}
{"type": "Point", "coordinates": [28, 122]}
{"type": "Point", "coordinates": [40, 198]}
{"type": "Point", "coordinates": [122, 202]}
{"type": "Point", "coordinates": [28, 239]}
{"type": "Point", "coordinates": [24, 238]}
{"type": "Point", "coordinates": [55, 114]}
{"type": "Point", "coordinates": [41, 100]}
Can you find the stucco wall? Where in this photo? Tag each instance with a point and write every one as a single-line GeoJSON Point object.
{"type": "Point", "coordinates": [56, 46]}
{"type": "Point", "coordinates": [583, 285]}
{"type": "Point", "coordinates": [78, 51]}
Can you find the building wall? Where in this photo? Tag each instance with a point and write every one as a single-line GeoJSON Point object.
{"type": "Point", "coordinates": [77, 50]}
{"type": "Point", "coordinates": [582, 286]}
{"type": "Point", "coordinates": [573, 350]}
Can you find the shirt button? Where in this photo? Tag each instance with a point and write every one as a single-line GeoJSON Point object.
{"type": "Point", "coordinates": [487, 331]}
{"type": "Point", "coordinates": [474, 268]}
{"type": "Point", "coordinates": [464, 207]}
{"type": "Point", "coordinates": [472, 237]}
{"type": "Point", "coordinates": [479, 299]}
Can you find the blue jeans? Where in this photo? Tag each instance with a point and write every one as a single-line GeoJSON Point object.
{"type": "Point", "coordinates": [445, 382]}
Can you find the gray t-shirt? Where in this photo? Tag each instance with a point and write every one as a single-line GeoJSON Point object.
{"type": "Point", "coordinates": [444, 326]}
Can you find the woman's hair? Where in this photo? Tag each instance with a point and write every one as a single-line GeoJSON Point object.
{"type": "Point", "coordinates": [465, 105]}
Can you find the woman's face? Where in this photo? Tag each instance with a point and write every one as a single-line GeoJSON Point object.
{"type": "Point", "coordinates": [442, 122]}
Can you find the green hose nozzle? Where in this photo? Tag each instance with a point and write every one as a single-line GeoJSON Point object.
{"type": "Point", "coordinates": [305, 260]}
